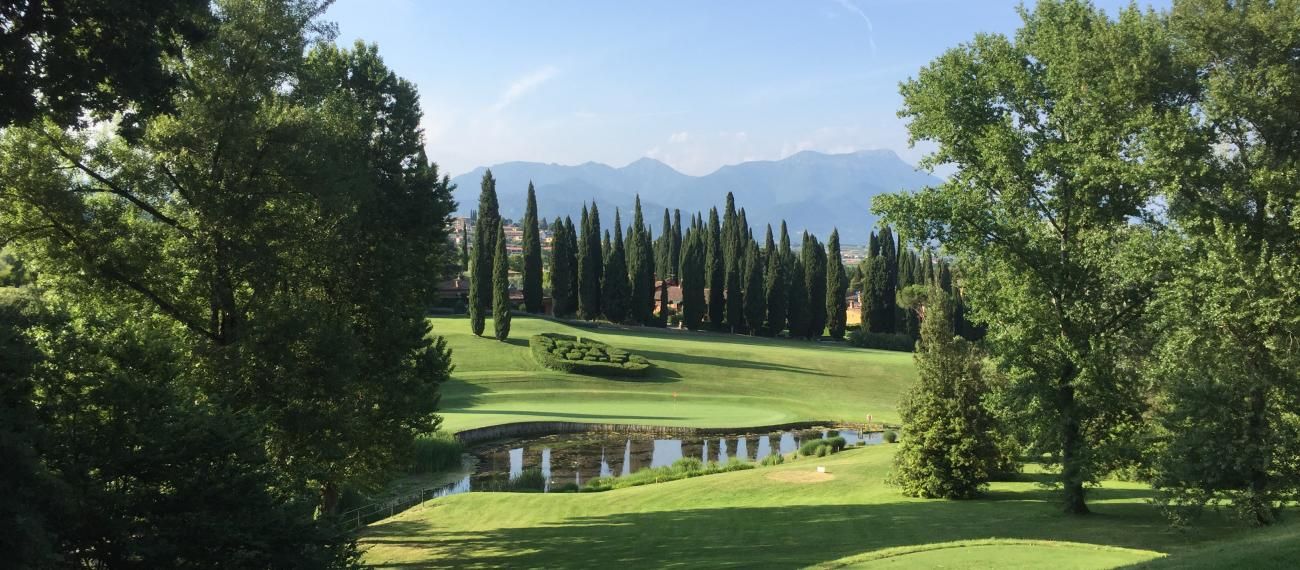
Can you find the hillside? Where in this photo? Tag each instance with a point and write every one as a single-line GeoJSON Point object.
{"type": "Point", "coordinates": [810, 190]}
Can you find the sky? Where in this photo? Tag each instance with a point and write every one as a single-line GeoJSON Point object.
{"type": "Point", "coordinates": [696, 84]}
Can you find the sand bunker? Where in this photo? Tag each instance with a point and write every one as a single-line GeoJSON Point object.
{"type": "Point", "coordinates": [800, 477]}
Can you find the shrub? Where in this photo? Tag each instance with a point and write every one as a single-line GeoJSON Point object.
{"type": "Point", "coordinates": [436, 452]}
{"type": "Point", "coordinates": [823, 451]}
{"type": "Point", "coordinates": [890, 436]}
{"type": "Point", "coordinates": [774, 459]}
{"type": "Point", "coordinates": [529, 480]}
{"type": "Point", "coordinates": [882, 341]}
{"type": "Point", "coordinates": [816, 446]}
{"type": "Point", "coordinates": [585, 356]}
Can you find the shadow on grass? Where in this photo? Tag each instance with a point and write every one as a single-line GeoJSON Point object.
{"type": "Point", "coordinates": [780, 537]}
{"type": "Point", "coordinates": [567, 415]}
{"type": "Point", "coordinates": [702, 360]}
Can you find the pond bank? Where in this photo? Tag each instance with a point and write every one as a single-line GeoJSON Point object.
{"type": "Point", "coordinates": [524, 429]}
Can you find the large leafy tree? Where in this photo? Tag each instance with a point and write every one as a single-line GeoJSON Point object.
{"type": "Point", "coordinates": [485, 237]}
{"type": "Point", "coordinates": [282, 222]}
{"type": "Point", "coordinates": [1231, 314]}
{"type": "Point", "coordinates": [1046, 212]}
{"type": "Point", "coordinates": [532, 255]}
{"type": "Point", "coordinates": [62, 60]}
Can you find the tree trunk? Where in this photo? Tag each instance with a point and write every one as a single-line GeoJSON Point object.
{"type": "Point", "coordinates": [329, 498]}
{"type": "Point", "coordinates": [1257, 428]}
{"type": "Point", "coordinates": [1071, 443]}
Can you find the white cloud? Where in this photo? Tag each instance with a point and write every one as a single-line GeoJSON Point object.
{"type": "Point", "coordinates": [871, 28]}
{"type": "Point", "coordinates": [680, 137]}
{"type": "Point", "coordinates": [525, 85]}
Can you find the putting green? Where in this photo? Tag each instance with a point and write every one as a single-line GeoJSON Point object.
{"type": "Point", "coordinates": [700, 380]}
{"type": "Point", "coordinates": [998, 554]}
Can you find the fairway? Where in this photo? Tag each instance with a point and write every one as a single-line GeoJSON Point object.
{"type": "Point", "coordinates": [700, 379]}
{"type": "Point", "coordinates": [748, 519]}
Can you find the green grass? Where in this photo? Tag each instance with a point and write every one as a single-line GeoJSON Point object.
{"type": "Point", "coordinates": [753, 519]}
{"type": "Point", "coordinates": [718, 380]}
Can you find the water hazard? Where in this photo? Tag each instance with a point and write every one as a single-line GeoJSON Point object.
{"type": "Point", "coordinates": [577, 458]}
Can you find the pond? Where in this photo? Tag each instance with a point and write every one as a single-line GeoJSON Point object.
{"type": "Point", "coordinates": [577, 458]}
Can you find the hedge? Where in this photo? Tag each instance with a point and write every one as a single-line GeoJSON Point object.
{"type": "Point", "coordinates": [578, 355]}
{"type": "Point", "coordinates": [882, 341]}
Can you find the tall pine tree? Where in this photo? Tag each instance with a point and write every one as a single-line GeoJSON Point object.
{"type": "Point", "coordinates": [755, 293]}
{"type": "Point", "coordinates": [640, 266]}
{"type": "Point", "coordinates": [693, 301]}
{"type": "Point", "coordinates": [560, 270]}
{"type": "Point", "coordinates": [717, 276]}
{"type": "Point", "coordinates": [814, 265]}
{"type": "Point", "coordinates": [532, 255]}
{"type": "Point", "coordinates": [485, 233]}
{"type": "Point", "coordinates": [501, 286]}
{"type": "Point", "coordinates": [590, 265]}
{"type": "Point", "coordinates": [675, 246]}
{"type": "Point", "coordinates": [571, 233]}
{"type": "Point", "coordinates": [615, 292]}
{"type": "Point", "coordinates": [775, 287]}
{"type": "Point", "coordinates": [837, 285]}
{"type": "Point", "coordinates": [733, 251]}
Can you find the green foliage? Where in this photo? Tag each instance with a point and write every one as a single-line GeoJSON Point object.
{"type": "Point", "coordinates": [590, 265]}
{"type": "Point", "coordinates": [797, 312]}
{"type": "Point", "coordinates": [484, 251]}
{"type": "Point", "coordinates": [715, 272]}
{"type": "Point", "coordinates": [563, 272]}
{"type": "Point", "coordinates": [951, 448]}
{"type": "Point", "coordinates": [755, 294]}
{"type": "Point", "coordinates": [532, 269]}
{"type": "Point", "coordinates": [822, 447]}
{"type": "Point", "coordinates": [501, 287]}
{"type": "Point", "coordinates": [693, 277]}
{"type": "Point", "coordinates": [1057, 262]}
{"type": "Point", "coordinates": [775, 287]}
{"type": "Point", "coordinates": [436, 452]}
{"type": "Point", "coordinates": [641, 270]}
{"type": "Point", "coordinates": [836, 287]}
{"type": "Point", "coordinates": [773, 459]}
{"type": "Point", "coordinates": [585, 356]}
{"type": "Point", "coordinates": [882, 341]}
{"type": "Point", "coordinates": [684, 468]}
{"type": "Point", "coordinates": [734, 239]}
{"type": "Point", "coordinates": [890, 436]}
{"type": "Point", "coordinates": [616, 293]}
{"type": "Point", "coordinates": [814, 265]}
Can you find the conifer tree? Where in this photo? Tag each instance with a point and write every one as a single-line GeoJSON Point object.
{"type": "Point", "coordinates": [532, 255]}
{"type": "Point", "coordinates": [675, 246]}
{"type": "Point", "coordinates": [571, 233]}
{"type": "Point", "coordinates": [716, 276]}
{"type": "Point", "coordinates": [888, 293]}
{"type": "Point", "coordinates": [614, 289]}
{"type": "Point", "coordinates": [501, 286]}
{"type": "Point", "coordinates": [814, 265]}
{"type": "Point", "coordinates": [733, 251]}
{"type": "Point", "coordinates": [485, 233]}
{"type": "Point", "coordinates": [755, 293]}
{"type": "Point", "coordinates": [590, 265]}
{"type": "Point", "coordinates": [693, 301]}
{"type": "Point", "coordinates": [797, 299]}
{"type": "Point", "coordinates": [561, 273]}
{"type": "Point", "coordinates": [775, 287]}
{"type": "Point", "coordinates": [836, 288]}
{"type": "Point", "coordinates": [662, 320]}
{"type": "Point", "coordinates": [663, 248]}
{"type": "Point", "coordinates": [464, 248]}
{"type": "Point", "coordinates": [949, 450]}
{"type": "Point", "coordinates": [640, 266]}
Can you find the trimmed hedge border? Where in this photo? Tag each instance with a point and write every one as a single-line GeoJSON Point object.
{"type": "Point", "coordinates": [565, 353]}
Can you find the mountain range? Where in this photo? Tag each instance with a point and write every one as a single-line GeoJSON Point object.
{"type": "Point", "coordinates": [810, 190]}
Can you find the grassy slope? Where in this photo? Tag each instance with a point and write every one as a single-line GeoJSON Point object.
{"type": "Point", "coordinates": [719, 380]}
{"type": "Point", "coordinates": [747, 519]}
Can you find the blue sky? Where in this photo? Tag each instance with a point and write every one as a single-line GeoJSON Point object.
{"type": "Point", "coordinates": [696, 84]}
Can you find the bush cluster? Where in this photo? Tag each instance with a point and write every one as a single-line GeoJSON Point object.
{"type": "Point", "coordinates": [585, 356]}
{"type": "Point", "coordinates": [773, 459]}
{"type": "Point", "coordinates": [822, 447]}
{"type": "Point", "coordinates": [882, 341]}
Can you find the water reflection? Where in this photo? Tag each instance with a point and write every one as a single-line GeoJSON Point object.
{"type": "Point", "coordinates": [579, 457]}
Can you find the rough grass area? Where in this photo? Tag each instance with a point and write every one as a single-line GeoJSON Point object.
{"type": "Point", "coordinates": [698, 379]}
{"type": "Point", "coordinates": [747, 519]}
{"type": "Point", "coordinates": [574, 354]}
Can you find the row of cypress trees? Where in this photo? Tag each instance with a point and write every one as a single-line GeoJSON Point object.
{"type": "Point", "coordinates": [892, 272]}
{"type": "Point", "coordinates": [489, 284]}
{"type": "Point", "coordinates": [729, 282]}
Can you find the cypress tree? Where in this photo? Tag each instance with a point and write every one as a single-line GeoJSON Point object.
{"type": "Point", "coordinates": [640, 265]}
{"type": "Point", "coordinates": [877, 317]}
{"type": "Point", "coordinates": [464, 247]}
{"type": "Point", "coordinates": [501, 286]}
{"type": "Point", "coordinates": [485, 233]}
{"type": "Point", "coordinates": [775, 287]}
{"type": "Point", "coordinates": [889, 293]}
{"type": "Point", "coordinates": [532, 255]}
{"type": "Point", "coordinates": [716, 273]}
{"type": "Point", "coordinates": [814, 266]}
{"type": "Point", "coordinates": [755, 294]}
{"type": "Point", "coordinates": [693, 302]}
{"type": "Point", "coordinates": [615, 290]}
{"type": "Point", "coordinates": [796, 309]}
{"type": "Point", "coordinates": [604, 252]}
{"type": "Point", "coordinates": [561, 273]}
{"type": "Point", "coordinates": [571, 234]}
{"type": "Point", "coordinates": [675, 245]}
{"type": "Point", "coordinates": [590, 265]}
{"type": "Point", "coordinates": [663, 248]}
{"type": "Point", "coordinates": [733, 256]}
{"type": "Point", "coordinates": [663, 303]}
{"type": "Point", "coordinates": [836, 287]}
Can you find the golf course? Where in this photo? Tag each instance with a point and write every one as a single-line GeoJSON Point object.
{"type": "Point", "coordinates": [779, 516]}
